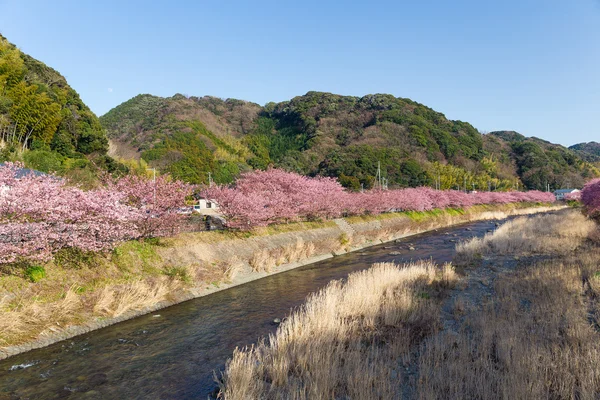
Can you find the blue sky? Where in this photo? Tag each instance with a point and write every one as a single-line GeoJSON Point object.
{"type": "Point", "coordinates": [526, 65]}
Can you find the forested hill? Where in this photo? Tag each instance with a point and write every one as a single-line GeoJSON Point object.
{"type": "Point", "coordinates": [42, 119]}
{"type": "Point", "coordinates": [588, 151]}
{"type": "Point", "coordinates": [332, 135]}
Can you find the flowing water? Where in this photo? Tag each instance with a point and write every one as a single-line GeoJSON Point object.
{"type": "Point", "coordinates": [172, 353]}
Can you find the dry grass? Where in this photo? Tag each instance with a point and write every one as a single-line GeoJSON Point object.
{"type": "Point", "coordinates": [20, 316]}
{"type": "Point", "coordinates": [538, 337]}
{"type": "Point", "coordinates": [543, 234]}
{"type": "Point", "coordinates": [345, 340]}
{"type": "Point", "coordinates": [115, 300]}
{"type": "Point", "coordinates": [266, 260]}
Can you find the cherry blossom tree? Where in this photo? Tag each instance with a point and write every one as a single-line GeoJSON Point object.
{"type": "Point", "coordinates": [590, 197]}
{"type": "Point", "coordinates": [40, 215]}
{"type": "Point", "coordinates": [260, 198]}
{"type": "Point", "coordinates": [155, 201]}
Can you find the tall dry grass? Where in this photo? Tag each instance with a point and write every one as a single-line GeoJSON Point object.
{"type": "Point", "coordinates": [116, 300]}
{"type": "Point", "coordinates": [538, 337]}
{"type": "Point", "coordinates": [542, 234]}
{"type": "Point", "coordinates": [21, 315]}
{"type": "Point", "coordinates": [345, 340]}
{"type": "Point", "coordinates": [26, 317]}
{"type": "Point", "coordinates": [266, 260]}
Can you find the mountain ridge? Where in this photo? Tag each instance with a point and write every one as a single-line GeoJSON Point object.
{"type": "Point", "coordinates": [43, 121]}
{"type": "Point", "coordinates": [327, 134]}
{"type": "Point", "coordinates": [589, 151]}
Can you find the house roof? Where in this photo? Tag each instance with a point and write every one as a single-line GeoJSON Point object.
{"type": "Point", "coordinates": [22, 172]}
{"type": "Point", "coordinates": [563, 191]}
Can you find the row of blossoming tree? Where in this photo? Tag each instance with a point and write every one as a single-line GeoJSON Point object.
{"type": "Point", "coordinates": [42, 214]}
{"type": "Point", "coordinates": [261, 198]}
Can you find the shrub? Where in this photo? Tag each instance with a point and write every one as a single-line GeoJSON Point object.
{"type": "Point", "coordinates": [35, 273]}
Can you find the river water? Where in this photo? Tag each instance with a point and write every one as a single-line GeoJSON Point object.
{"type": "Point", "coordinates": [172, 353]}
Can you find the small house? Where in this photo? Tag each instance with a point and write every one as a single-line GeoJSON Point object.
{"type": "Point", "coordinates": [560, 193]}
{"type": "Point", "coordinates": [206, 207]}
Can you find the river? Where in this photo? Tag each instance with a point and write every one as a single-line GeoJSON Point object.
{"type": "Point", "coordinates": [172, 353]}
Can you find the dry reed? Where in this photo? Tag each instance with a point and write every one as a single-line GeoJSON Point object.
{"type": "Point", "coordinates": [538, 335]}
{"type": "Point", "coordinates": [544, 234]}
{"type": "Point", "coordinates": [345, 340]}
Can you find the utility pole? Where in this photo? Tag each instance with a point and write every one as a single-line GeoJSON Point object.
{"type": "Point", "coordinates": [379, 174]}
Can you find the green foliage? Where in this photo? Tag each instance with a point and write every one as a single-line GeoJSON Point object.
{"type": "Point", "coordinates": [413, 175]}
{"type": "Point", "coordinates": [134, 253]}
{"type": "Point", "coordinates": [540, 163]}
{"type": "Point", "coordinates": [349, 182]}
{"type": "Point", "coordinates": [44, 160]}
{"type": "Point", "coordinates": [37, 104]}
{"type": "Point", "coordinates": [588, 151]}
{"type": "Point", "coordinates": [179, 273]}
{"type": "Point", "coordinates": [74, 258]}
{"type": "Point", "coordinates": [35, 273]}
{"type": "Point", "coordinates": [184, 155]}
{"type": "Point", "coordinates": [344, 240]}
{"type": "Point", "coordinates": [338, 136]}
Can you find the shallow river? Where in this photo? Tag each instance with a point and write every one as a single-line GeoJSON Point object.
{"type": "Point", "coordinates": [172, 353]}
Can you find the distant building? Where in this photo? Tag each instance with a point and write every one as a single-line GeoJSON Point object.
{"type": "Point", "coordinates": [23, 172]}
{"type": "Point", "coordinates": [560, 193]}
{"type": "Point", "coordinates": [206, 207]}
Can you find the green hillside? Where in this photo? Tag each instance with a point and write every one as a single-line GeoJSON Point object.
{"type": "Point", "coordinates": [588, 151]}
{"type": "Point", "coordinates": [332, 135]}
{"type": "Point", "coordinates": [43, 122]}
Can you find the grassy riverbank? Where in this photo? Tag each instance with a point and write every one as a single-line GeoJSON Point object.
{"type": "Point", "coordinates": [518, 318]}
{"type": "Point", "coordinates": [39, 305]}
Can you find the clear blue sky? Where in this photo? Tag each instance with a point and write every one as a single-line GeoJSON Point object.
{"type": "Point", "coordinates": [526, 65]}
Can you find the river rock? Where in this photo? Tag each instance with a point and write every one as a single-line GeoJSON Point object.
{"type": "Point", "coordinates": [277, 321]}
{"type": "Point", "coordinates": [395, 253]}
{"type": "Point", "coordinates": [411, 248]}
{"type": "Point", "coordinates": [97, 379]}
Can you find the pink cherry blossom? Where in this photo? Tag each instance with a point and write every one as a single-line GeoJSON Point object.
{"type": "Point", "coordinates": [40, 215]}
{"type": "Point", "coordinates": [590, 197]}
{"type": "Point", "coordinates": [260, 198]}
